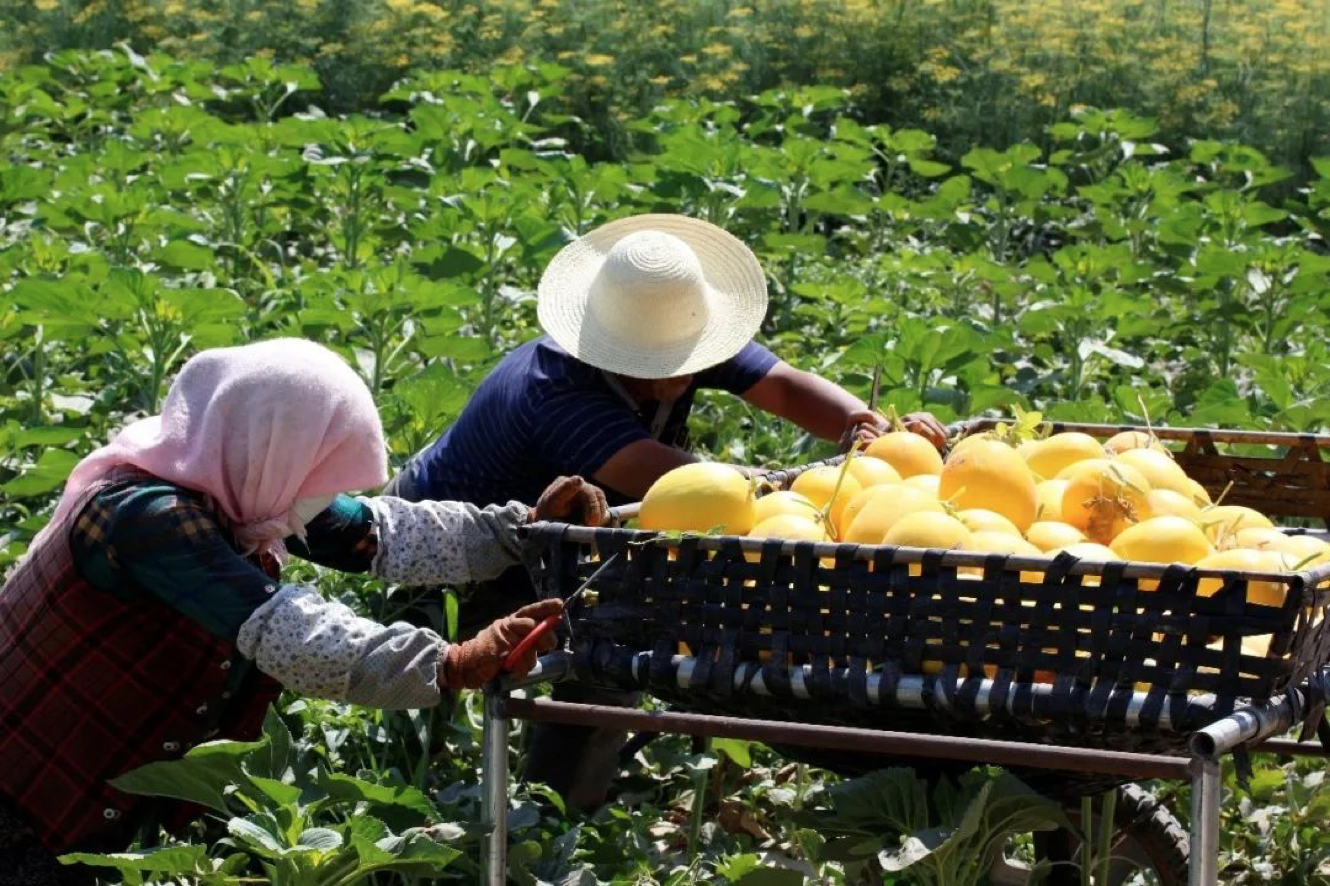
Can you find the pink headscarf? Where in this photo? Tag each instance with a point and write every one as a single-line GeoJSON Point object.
{"type": "Point", "coordinates": [255, 427]}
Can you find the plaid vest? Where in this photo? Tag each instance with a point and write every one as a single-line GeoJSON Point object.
{"type": "Point", "coordinates": [92, 686]}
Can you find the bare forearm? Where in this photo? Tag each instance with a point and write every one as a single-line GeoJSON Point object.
{"type": "Point", "coordinates": [818, 406]}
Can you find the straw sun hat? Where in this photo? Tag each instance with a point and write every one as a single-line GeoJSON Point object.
{"type": "Point", "coordinates": [653, 296]}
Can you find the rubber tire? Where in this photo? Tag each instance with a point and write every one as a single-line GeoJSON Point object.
{"type": "Point", "coordinates": [1145, 827]}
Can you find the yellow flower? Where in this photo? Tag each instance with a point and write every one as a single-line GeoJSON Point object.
{"type": "Point", "coordinates": [46, 5]}
{"type": "Point", "coordinates": [688, 59]}
{"type": "Point", "coordinates": [89, 11]}
{"type": "Point", "coordinates": [715, 49]}
{"type": "Point", "coordinates": [803, 32]}
{"type": "Point", "coordinates": [660, 80]}
{"type": "Point", "coordinates": [943, 73]}
{"type": "Point", "coordinates": [599, 60]}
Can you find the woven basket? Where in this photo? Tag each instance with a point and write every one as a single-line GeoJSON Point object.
{"type": "Point", "coordinates": [1026, 648]}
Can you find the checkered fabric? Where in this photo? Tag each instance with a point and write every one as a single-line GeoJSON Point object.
{"type": "Point", "coordinates": [92, 686]}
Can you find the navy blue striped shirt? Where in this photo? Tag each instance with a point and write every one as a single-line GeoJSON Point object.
{"type": "Point", "coordinates": [541, 414]}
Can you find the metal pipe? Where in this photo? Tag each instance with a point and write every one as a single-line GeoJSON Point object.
{"type": "Point", "coordinates": [1286, 748]}
{"type": "Point", "coordinates": [1243, 726]}
{"type": "Point", "coordinates": [551, 668]}
{"type": "Point", "coordinates": [912, 691]}
{"type": "Point", "coordinates": [1203, 863]}
{"type": "Point", "coordinates": [1006, 753]}
{"type": "Point", "coordinates": [622, 514]}
{"type": "Point", "coordinates": [494, 789]}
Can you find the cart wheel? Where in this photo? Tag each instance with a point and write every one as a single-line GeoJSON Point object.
{"type": "Point", "coordinates": [1149, 841]}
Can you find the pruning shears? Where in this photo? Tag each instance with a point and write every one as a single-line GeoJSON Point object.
{"type": "Point", "coordinates": [550, 623]}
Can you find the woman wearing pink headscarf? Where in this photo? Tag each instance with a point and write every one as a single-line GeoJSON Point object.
{"type": "Point", "coordinates": [149, 615]}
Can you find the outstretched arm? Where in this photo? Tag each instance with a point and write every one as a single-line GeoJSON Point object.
{"type": "Point", "coordinates": [827, 410]}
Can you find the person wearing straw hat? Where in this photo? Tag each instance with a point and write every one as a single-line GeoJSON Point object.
{"type": "Point", "coordinates": [639, 315]}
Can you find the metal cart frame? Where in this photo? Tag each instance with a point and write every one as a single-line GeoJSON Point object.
{"type": "Point", "coordinates": [1249, 727]}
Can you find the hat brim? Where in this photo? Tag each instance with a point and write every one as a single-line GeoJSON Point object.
{"type": "Point", "coordinates": [736, 294]}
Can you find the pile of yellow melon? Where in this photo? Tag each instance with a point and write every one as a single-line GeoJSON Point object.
{"type": "Point", "coordinates": [1126, 499]}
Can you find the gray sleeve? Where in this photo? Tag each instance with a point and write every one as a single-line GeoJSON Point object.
{"type": "Point", "coordinates": [444, 542]}
{"type": "Point", "coordinates": [321, 648]}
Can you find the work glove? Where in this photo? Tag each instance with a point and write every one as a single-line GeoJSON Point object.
{"type": "Point", "coordinates": [866, 426]}
{"type": "Point", "coordinates": [472, 664]}
{"type": "Point", "coordinates": [572, 500]}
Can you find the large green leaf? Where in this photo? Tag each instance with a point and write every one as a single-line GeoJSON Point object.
{"type": "Point", "coordinates": [49, 472]}
{"type": "Point", "coordinates": [348, 788]}
{"type": "Point", "coordinates": [201, 776]}
{"type": "Point", "coordinates": [165, 860]}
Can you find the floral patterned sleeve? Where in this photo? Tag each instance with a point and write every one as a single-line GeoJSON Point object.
{"type": "Point", "coordinates": [426, 542]}
{"type": "Point", "coordinates": [443, 542]}
{"type": "Point", "coordinates": [320, 647]}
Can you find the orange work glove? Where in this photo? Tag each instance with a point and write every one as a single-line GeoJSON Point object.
{"type": "Point", "coordinates": [572, 499]}
{"type": "Point", "coordinates": [472, 664]}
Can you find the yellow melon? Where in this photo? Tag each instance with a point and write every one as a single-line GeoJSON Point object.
{"type": "Point", "coordinates": [881, 512]}
{"type": "Point", "coordinates": [1162, 540]}
{"type": "Point", "coordinates": [1170, 503]}
{"type": "Point", "coordinates": [1104, 497]}
{"type": "Point", "coordinates": [1120, 443]}
{"type": "Point", "coordinates": [820, 483]}
{"type": "Point", "coordinates": [871, 471]}
{"type": "Point", "coordinates": [1266, 593]}
{"type": "Point", "coordinates": [699, 497]}
{"type": "Point", "coordinates": [1222, 522]}
{"type": "Point", "coordinates": [984, 520]}
{"type": "Point", "coordinates": [908, 453]}
{"type": "Point", "coordinates": [1305, 551]}
{"type": "Point", "coordinates": [857, 504]}
{"type": "Point", "coordinates": [990, 475]}
{"type": "Point", "coordinates": [1047, 458]}
{"type": "Point", "coordinates": [789, 526]}
{"type": "Point", "coordinates": [1048, 499]}
{"type": "Point", "coordinates": [1090, 553]}
{"type": "Point", "coordinates": [1047, 535]}
{"type": "Point", "coordinates": [1198, 493]}
{"type": "Point", "coordinates": [1000, 543]}
{"type": "Point", "coordinates": [926, 482]}
{"type": "Point", "coordinates": [1260, 538]}
{"type": "Point", "coordinates": [783, 502]}
{"type": "Point", "coordinates": [1158, 468]}
{"type": "Point", "coordinates": [927, 529]}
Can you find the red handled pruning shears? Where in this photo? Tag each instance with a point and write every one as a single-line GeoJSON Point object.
{"type": "Point", "coordinates": [550, 623]}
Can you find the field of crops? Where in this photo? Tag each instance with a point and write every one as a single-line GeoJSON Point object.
{"type": "Point", "coordinates": [150, 207]}
{"type": "Point", "coordinates": [991, 72]}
